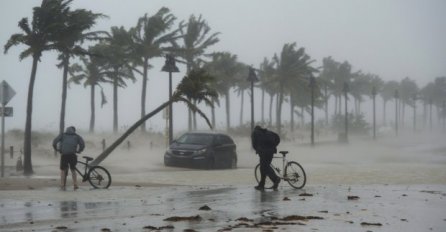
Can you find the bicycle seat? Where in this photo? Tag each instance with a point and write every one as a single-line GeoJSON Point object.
{"type": "Point", "coordinates": [283, 152]}
{"type": "Point", "coordinates": [87, 158]}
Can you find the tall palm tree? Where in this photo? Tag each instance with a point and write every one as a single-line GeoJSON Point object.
{"type": "Point", "coordinates": [241, 84]}
{"type": "Point", "coordinates": [326, 81]}
{"type": "Point", "coordinates": [195, 86]}
{"type": "Point", "coordinates": [196, 40]}
{"type": "Point", "coordinates": [150, 38]}
{"type": "Point", "coordinates": [407, 90]}
{"type": "Point", "coordinates": [37, 38]}
{"type": "Point", "coordinates": [387, 94]}
{"type": "Point", "coordinates": [343, 75]}
{"type": "Point", "coordinates": [360, 87]}
{"type": "Point", "coordinates": [293, 66]}
{"type": "Point", "coordinates": [224, 67]}
{"type": "Point", "coordinates": [71, 34]}
{"type": "Point", "coordinates": [92, 73]}
{"type": "Point", "coordinates": [266, 73]}
{"type": "Point", "coordinates": [117, 52]}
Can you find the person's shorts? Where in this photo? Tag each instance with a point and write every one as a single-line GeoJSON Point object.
{"type": "Point", "coordinates": [68, 160]}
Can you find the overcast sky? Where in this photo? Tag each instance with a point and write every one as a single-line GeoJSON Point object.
{"type": "Point", "coordinates": [390, 38]}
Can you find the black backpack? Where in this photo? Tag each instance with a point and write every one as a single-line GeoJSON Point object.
{"type": "Point", "coordinates": [272, 138]}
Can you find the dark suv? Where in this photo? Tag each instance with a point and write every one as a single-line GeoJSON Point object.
{"type": "Point", "coordinates": [202, 150]}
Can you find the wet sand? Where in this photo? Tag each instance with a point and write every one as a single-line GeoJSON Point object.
{"type": "Point", "coordinates": [389, 185]}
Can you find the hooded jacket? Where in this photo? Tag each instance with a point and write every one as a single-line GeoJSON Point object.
{"type": "Point", "coordinates": [69, 142]}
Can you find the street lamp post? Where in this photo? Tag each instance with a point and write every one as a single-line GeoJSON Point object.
{"type": "Point", "coordinates": [397, 95]}
{"type": "Point", "coordinates": [170, 67]}
{"type": "Point", "coordinates": [374, 112]}
{"type": "Point", "coordinates": [312, 86]}
{"type": "Point", "coordinates": [346, 89]}
{"type": "Point", "coordinates": [252, 77]}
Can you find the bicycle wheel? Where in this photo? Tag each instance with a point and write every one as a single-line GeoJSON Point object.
{"type": "Point", "coordinates": [295, 175]}
{"type": "Point", "coordinates": [268, 183]}
{"type": "Point", "coordinates": [99, 177]}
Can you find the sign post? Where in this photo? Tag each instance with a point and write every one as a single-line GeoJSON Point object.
{"type": "Point", "coordinates": [6, 93]}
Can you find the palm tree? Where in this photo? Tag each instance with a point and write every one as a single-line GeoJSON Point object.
{"type": "Point", "coordinates": [150, 37]}
{"type": "Point", "coordinates": [343, 76]}
{"type": "Point", "coordinates": [326, 81]}
{"type": "Point", "coordinates": [224, 67]}
{"type": "Point", "coordinates": [196, 39]}
{"type": "Point", "coordinates": [117, 53]}
{"type": "Point", "coordinates": [37, 38]}
{"type": "Point", "coordinates": [293, 66]}
{"type": "Point", "coordinates": [70, 35]}
{"type": "Point", "coordinates": [266, 74]}
{"type": "Point", "coordinates": [241, 84]}
{"type": "Point", "coordinates": [387, 94]}
{"type": "Point", "coordinates": [360, 86]}
{"type": "Point", "coordinates": [407, 89]}
{"type": "Point", "coordinates": [195, 86]}
{"type": "Point", "coordinates": [92, 73]}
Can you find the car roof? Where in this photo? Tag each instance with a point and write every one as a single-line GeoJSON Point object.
{"type": "Point", "coordinates": [206, 132]}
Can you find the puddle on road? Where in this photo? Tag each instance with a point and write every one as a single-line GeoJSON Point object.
{"type": "Point", "coordinates": [228, 208]}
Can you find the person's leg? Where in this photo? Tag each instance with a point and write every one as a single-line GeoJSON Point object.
{"type": "Point", "coordinates": [271, 173]}
{"type": "Point", "coordinates": [263, 172]}
{"type": "Point", "coordinates": [63, 172]}
{"type": "Point", "coordinates": [73, 162]}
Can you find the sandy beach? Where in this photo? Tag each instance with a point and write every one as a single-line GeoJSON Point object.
{"type": "Point", "coordinates": [392, 184]}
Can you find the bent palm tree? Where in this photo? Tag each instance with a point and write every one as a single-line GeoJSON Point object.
{"type": "Point", "coordinates": [193, 87]}
{"type": "Point", "coordinates": [150, 37]}
{"type": "Point", "coordinates": [37, 39]}
{"type": "Point", "coordinates": [197, 38]}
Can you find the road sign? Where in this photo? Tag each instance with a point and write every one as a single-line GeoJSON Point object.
{"type": "Point", "coordinates": [6, 92]}
{"type": "Point", "coordinates": [8, 111]}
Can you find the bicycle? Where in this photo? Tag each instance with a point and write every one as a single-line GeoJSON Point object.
{"type": "Point", "coordinates": [97, 176]}
{"type": "Point", "coordinates": [293, 173]}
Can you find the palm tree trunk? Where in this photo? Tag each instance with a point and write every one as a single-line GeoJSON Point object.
{"type": "Point", "coordinates": [263, 106]}
{"type": "Point", "coordinates": [92, 107]}
{"type": "Point", "coordinates": [340, 104]}
{"type": "Point", "coordinates": [189, 119]}
{"type": "Point", "coordinates": [194, 116]}
{"type": "Point", "coordinates": [291, 114]}
{"type": "Point", "coordinates": [115, 103]}
{"type": "Point", "coordinates": [403, 115]}
{"type": "Point", "coordinates": [129, 131]}
{"type": "Point", "coordinates": [27, 164]}
{"type": "Point", "coordinates": [144, 93]}
{"type": "Point", "coordinates": [279, 110]}
{"type": "Point", "coordinates": [271, 99]}
{"type": "Point", "coordinates": [336, 105]}
{"type": "Point", "coordinates": [384, 112]}
{"type": "Point", "coordinates": [326, 104]}
{"type": "Point", "coordinates": [241, 107]}
{"type": "Point", "coordinates": [64, 93]}
{"type": "Point", "coordinates": [228, 111]}
{"type": "Point", "coordinates": [213, 113]}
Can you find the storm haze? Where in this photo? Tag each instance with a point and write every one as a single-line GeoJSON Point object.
{"type": "Point", "coordinates": [391, 39]}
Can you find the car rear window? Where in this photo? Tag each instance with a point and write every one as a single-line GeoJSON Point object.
{"type": "Point", "coordinates": [196, 139]}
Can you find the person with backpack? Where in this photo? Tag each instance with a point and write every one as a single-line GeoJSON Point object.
{"type": "Point", "coordinates": [265, 144]}
{"type": "Point", "coordinates": [68, 144]}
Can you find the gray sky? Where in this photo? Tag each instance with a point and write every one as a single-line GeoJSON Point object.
{"type": "Point", "coordinates": [392, 39]}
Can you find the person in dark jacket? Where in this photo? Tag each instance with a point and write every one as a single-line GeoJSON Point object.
{"type": "Point", "coordinates": [68, 144]}
{"type": "Point", "coordinates": [265, 144]}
